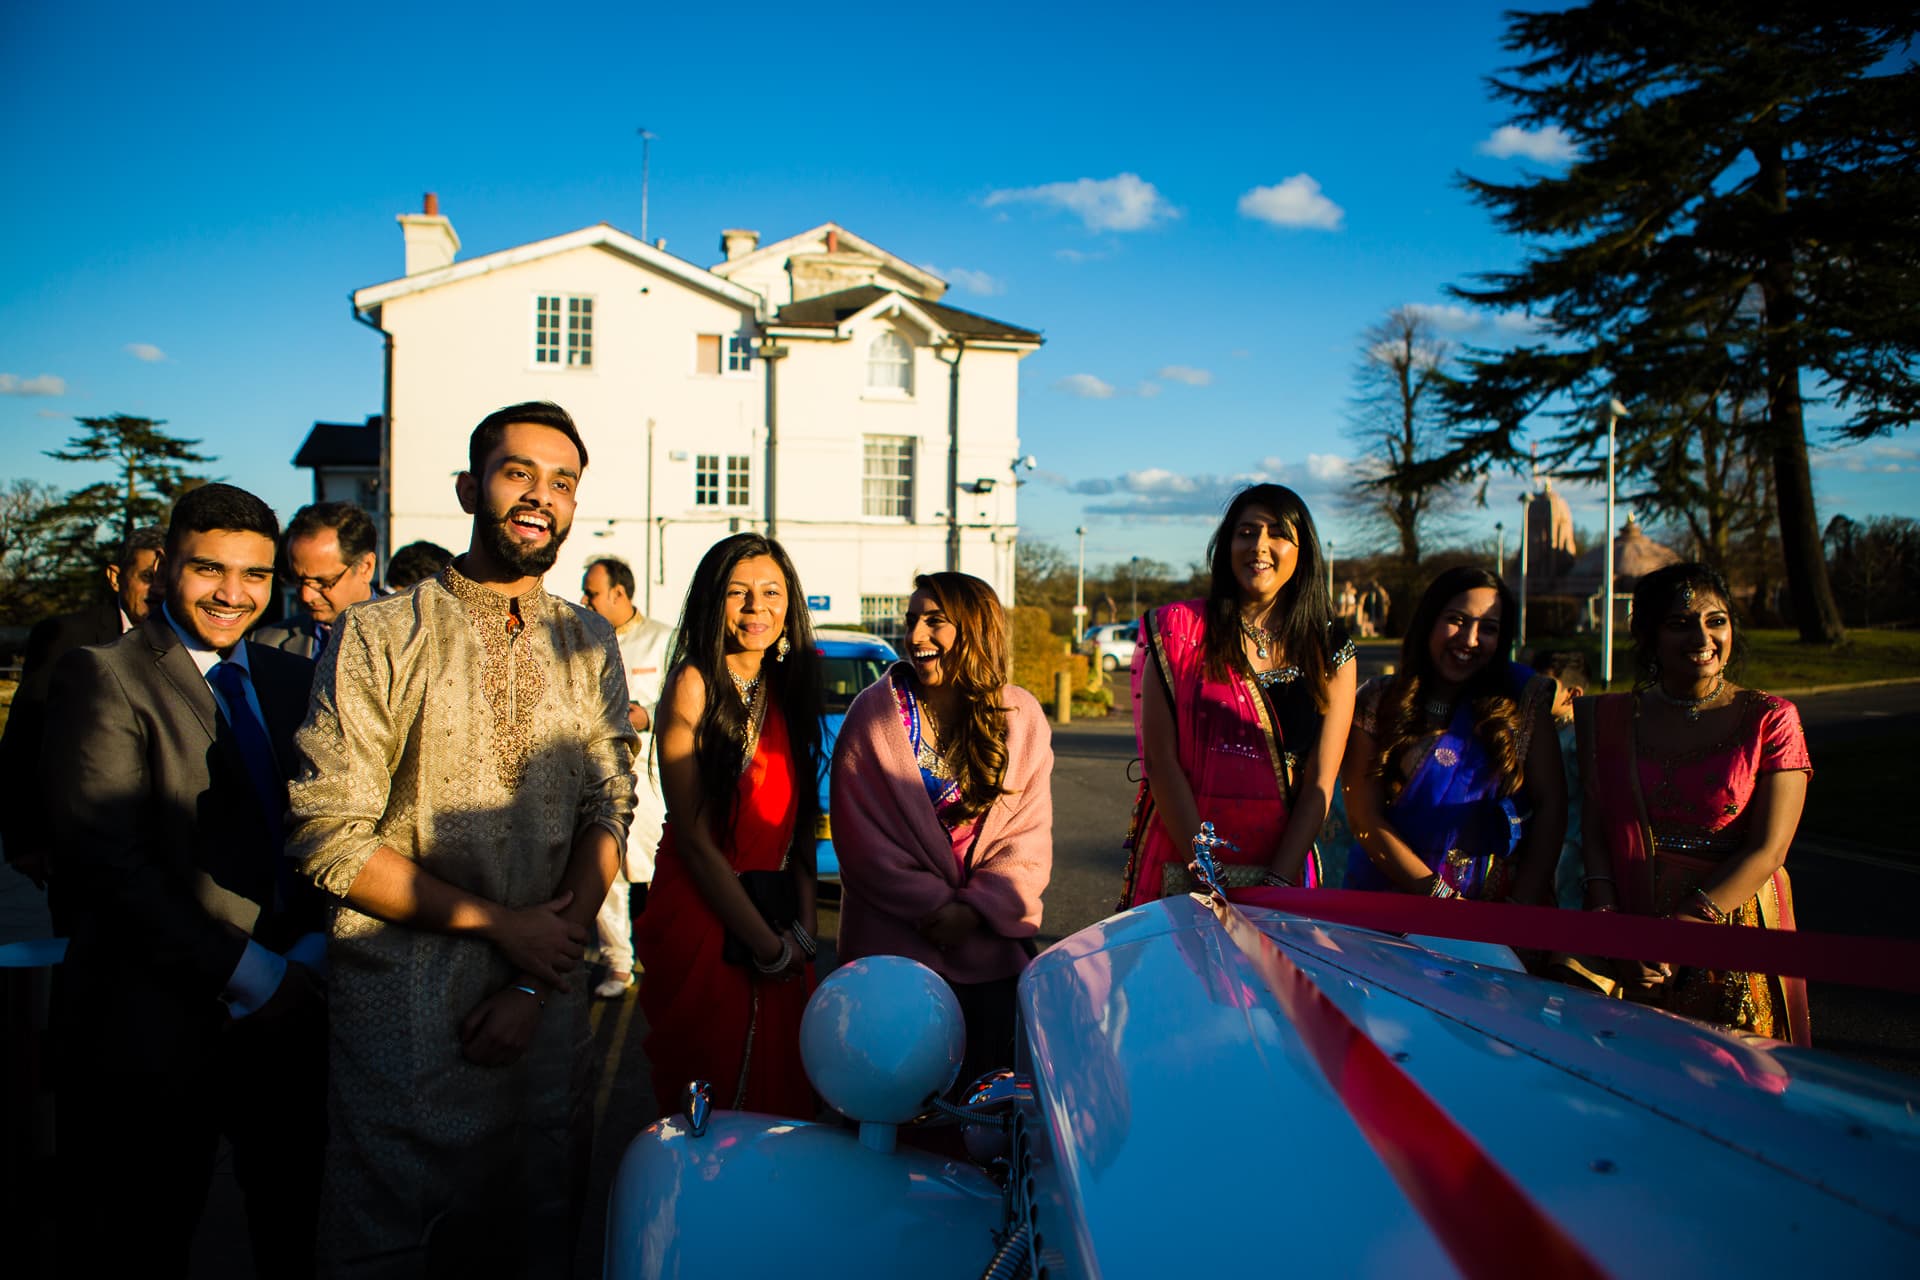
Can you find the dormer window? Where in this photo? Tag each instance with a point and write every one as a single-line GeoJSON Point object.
{"type": "Point", "coordinates": [890, 365]}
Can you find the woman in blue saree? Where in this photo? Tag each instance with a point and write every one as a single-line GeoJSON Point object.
{"type": "Point", "coordinates": [1453, 779]}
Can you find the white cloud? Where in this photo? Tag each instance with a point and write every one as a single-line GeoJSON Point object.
{"type": "Point", "coordinates": [1158, 494]}
{"type": "Point", "coordinates": [1328, 468]}
{"type": "Point", "coordinates": [1187, 374]}
{"type": "Point", "coordinates": [1296, 202]}
{"type": "Point", "coordinates": [1086, 386]}
{"type": "Point", "coordinates": [1123, 203]}
{"type": "Point", "coordinates": [1879, 458]}
{"type": "Point", "coordinates": [1549, 145]}
{"type": "Point", "coordinates": [1147, 390]}
{"type": "Point", "coordinates": [967, 281]}
{"type": "Point", "coordinates": [1445, 317]}
{"type": "Point", "coordinates": [1098, 487]}
{"type": "Point", "coordinates": [1158, 480]}
{"type": "Point", "coordinates": [47, 384]}
{"type": "Point", "coordinates": [145, 351]}
{"type": "Point", "coordinates": [48, 413]}
{"type": "Point", "coordinates": [1077, 256]}
{"type": "Point", "coordinates": [1520, 323]}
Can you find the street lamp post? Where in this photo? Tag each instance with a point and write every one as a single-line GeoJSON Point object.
{"type": "Point", "coordinates": [1080, 588]}
{"type": "Point", "coordinates": [1500, 547]}
{"type": "Point", "coordinates": [1615, 411]}
{"type": "Point", "coordinates": [1526, 524]}
{"type": "Point", "coordinates": [1133, 574]}
{"type": "Point", "coordinates": [1330, 596]}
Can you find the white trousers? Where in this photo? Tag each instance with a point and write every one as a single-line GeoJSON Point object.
{"type": "Point", "coordinates": [615, 923]}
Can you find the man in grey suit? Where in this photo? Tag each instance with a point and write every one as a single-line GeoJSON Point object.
{"type": "Point", "coordinates": [183, 1011]}
{"type": "Point", "coordinates": [329, 559]}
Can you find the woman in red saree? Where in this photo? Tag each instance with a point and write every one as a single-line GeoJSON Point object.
{"type": "Point", "coordinates": [1694, 788]}
{"type": "Point", "coordinates": [1241, 707]}
{"type": "Point", "coordinates": [726, 942]}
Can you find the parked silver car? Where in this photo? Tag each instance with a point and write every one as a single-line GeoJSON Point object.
{"type": "Point", "coordinates": [1111, 644]}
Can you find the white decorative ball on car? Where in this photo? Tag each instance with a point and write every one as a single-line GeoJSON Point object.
{"type": "Point", "coordinates": [879, 1037]}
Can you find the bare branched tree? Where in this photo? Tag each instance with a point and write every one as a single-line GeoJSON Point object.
{"type": "Point", "coordinates": [1396, 420]}
{"type": "Point", "coordinates": [29, 554]}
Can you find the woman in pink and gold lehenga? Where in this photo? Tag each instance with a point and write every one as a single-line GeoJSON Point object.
{"type": "Point", "coordinates": [1241, 707]}
{"type": "Point", "coordinates": [1694, 788]}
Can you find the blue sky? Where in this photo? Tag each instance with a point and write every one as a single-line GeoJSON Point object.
{"type": "Point", "coordinates": [1201, 208]}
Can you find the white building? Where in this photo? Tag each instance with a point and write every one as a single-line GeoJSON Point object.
{"type": "Point", "coordinates": [814, 388]}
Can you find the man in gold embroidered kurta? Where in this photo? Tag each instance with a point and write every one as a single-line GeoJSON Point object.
{"type": "Point", "coordinates": [479, 737]}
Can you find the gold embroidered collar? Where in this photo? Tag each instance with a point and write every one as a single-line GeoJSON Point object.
{"type": "Point", "coordinates": [485, 602]}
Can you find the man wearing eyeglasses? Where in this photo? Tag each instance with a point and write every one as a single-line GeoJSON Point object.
{"type": "Point", "coordinates": [328, 558]}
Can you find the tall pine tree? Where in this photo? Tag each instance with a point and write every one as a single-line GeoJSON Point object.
{"type": "Point", "coordinates": [149, 471]}
{"type": "Point", "coordinates": [1746, 189]}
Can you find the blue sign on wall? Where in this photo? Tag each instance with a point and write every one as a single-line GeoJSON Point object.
{"type": "Point", "coordinates": [819, 602]}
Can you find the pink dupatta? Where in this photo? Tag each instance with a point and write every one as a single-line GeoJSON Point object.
{"type": "Point", "coordinates": [1229, 749]}
{"type": "Point", "coordinates": [898, 864]}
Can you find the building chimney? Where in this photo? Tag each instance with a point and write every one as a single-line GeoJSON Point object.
{"type": "Point", "coordinates": [833, 239]}
{"type": "Point", "coordinates": [431, 243]}
{"type": "Point", "coordinates": [738, 244]}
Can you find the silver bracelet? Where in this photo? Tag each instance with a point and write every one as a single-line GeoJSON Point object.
{"type": "Point", "coordinates": [780, 961]}
{"type": "Point", "coordinates": [538, 998]}
{"type": "Point", "coordinates": [804, 940]}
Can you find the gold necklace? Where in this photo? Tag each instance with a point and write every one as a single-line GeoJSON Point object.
{"type": "Point", "coordinates": [745, 688]}
{"type": "Point", "coordinates": [1260, 636]}
{"type": "Point", "coordinates": [1691, 707]}
{"type": "Point", "coordinates": [931, 757]}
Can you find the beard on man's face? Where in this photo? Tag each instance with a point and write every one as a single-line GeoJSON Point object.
{"type": "Point", "coordinates": [530, 559]}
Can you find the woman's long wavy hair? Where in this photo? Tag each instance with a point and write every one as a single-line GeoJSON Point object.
{"type": "Point", "coordinates": [978, 667]}
{"type": "Point", "coordinates": [1303, 610]}
{"type": "Point", "coordinates": [1655, 596]}
{"type": "Point", "coordinates": [793, 685]}
{"type": "Point", "coordinates": [1496, 713]}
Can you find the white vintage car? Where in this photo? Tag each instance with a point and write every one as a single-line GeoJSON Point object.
{"type": "Point", "coordinates": [1201, 1089]}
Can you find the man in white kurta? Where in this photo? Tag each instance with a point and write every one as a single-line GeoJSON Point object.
{"type": "Point", "coordinates": [645, 647]}
{"type": "Point", "coordinates": [466, 777]}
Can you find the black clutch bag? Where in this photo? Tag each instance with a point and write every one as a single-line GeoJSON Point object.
{"type": "Point", "coordinates": [776, 897]}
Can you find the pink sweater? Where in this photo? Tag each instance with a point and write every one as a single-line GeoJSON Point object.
{"type": "Point", "coordinates": [898, 863]}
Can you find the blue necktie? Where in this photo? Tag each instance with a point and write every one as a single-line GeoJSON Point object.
{"type": "Point", "coordinates": [256, 752]}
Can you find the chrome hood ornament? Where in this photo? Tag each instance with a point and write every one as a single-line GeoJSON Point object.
{"type": "Point", "coordinates": [1206, 866]}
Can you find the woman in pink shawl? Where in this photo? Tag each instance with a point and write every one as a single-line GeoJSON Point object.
{"type": "Point", "coordinates": [1241, 707]}
{"type": "Point", "coordinates": [1694, 788]}
{"type": "Point", "coordinates": [942, 816]}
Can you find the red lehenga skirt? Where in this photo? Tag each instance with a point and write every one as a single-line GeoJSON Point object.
{"type": "Point", "coordinates": [706, 1019]}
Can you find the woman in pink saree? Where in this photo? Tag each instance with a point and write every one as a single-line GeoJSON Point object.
{"type": "Point", "coordinates": [943, 811]}
{"type": "Point", "coordinates": [1694, 788]}
{"type": "Point", "coordinates": [1241, 707]}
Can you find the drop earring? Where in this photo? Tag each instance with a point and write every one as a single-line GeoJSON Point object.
{"type": "Point", "coordinates": [780, 653]}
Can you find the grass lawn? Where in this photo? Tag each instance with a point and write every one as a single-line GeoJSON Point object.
{"type": "Point", "coordinates": [1776, 660]}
